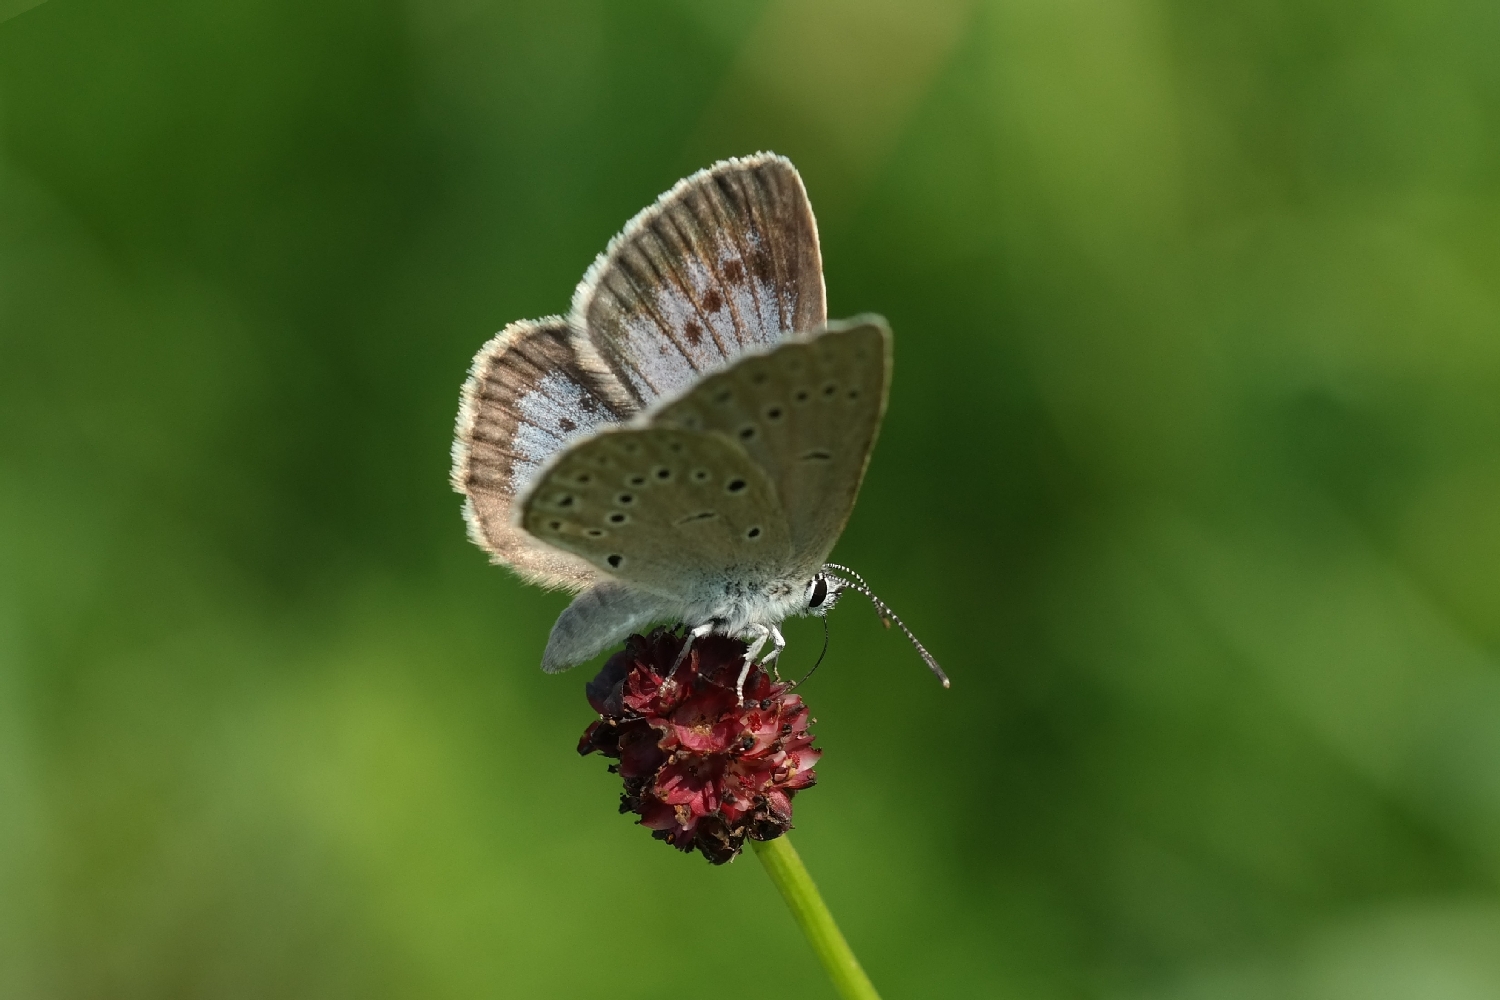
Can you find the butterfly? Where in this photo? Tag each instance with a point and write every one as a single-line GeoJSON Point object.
{"type": "Point", "coordinates": [687, 444]}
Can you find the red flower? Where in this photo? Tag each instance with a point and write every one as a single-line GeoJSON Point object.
{"type": "Point", "coordinates": [701, 769]}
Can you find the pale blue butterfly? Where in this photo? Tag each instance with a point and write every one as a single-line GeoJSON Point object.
{"type": "Point", "coordinates": [686, 446]}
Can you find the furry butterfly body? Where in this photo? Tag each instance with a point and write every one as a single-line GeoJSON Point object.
{"type": "Point", "coordinates": [686, 446]}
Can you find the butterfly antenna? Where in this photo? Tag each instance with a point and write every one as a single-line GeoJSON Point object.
{"type": "Point", "coordinates": [815, 666]}
{"type": "Point", "coordinates": [857, 582]}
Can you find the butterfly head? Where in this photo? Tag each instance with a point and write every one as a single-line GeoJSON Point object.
{"type": "Point", "coordinates": [830, 582]}
{"type": "Point", "coordinates": [823, 592]}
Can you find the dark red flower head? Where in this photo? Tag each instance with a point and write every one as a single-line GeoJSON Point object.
{"type": "Point", "coordinates": [701, 768]}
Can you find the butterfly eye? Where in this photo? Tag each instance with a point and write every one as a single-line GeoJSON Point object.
{"type": "Point", "coordinates": [818, 593]}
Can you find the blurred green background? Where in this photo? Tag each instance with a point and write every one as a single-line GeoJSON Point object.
{"type": "Point", "coordinates": [1191, 478]}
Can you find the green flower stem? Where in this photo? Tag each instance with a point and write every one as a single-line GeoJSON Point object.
{"type": "Point", "coordinates": [811, 913]}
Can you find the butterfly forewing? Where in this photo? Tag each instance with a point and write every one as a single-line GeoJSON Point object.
{"type": "Point", "coordinates": [726, 260]}
{"type": "Point", "coordinates": [532, 390]}
{"type": "Point", "coordinates": [807, 412]}
{"type": "Point", "coordinates": [665, 508]}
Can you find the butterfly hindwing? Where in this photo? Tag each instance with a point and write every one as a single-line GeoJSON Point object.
{"type": "Point", "coordinates": [807, 412]}
{"type": "Point", "coordinates": [726, 260]}
{"type": "Point", "coordinates": [668, 509]}
{"type": "Point", "coordinates": [533, 389]}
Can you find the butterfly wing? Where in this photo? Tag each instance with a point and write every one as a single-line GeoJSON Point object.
{"type": "Point", "coordinates": [601, 617]}
{"type": "Point", "coordinates": [670, 510]}
{"type": "Point", "coordinates": [807, 412]}
{"type": "Point", "coordinates": [726, 260]}
{"type": "Point", "coordinates": [532, 390]}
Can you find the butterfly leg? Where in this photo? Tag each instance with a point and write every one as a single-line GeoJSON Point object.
{"type": "Point", "coordinates": [761, 634]}
{"type": "Point", "coordinates": [687, 644]}
{"type": "Point", "coordinates": [778, 643]}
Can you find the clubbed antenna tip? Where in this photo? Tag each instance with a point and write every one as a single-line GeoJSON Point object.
{"type": "Point", "coordinates": [848, 578]}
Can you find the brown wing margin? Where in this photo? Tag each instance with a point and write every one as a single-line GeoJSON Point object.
{"type": "Point", "coordinates": [532, 390]}
{"type": "Point", "coordinates": [726, 260]}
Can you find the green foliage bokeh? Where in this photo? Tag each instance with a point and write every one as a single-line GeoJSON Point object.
{"type": "Point", "coordinates": [1191, 478]}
